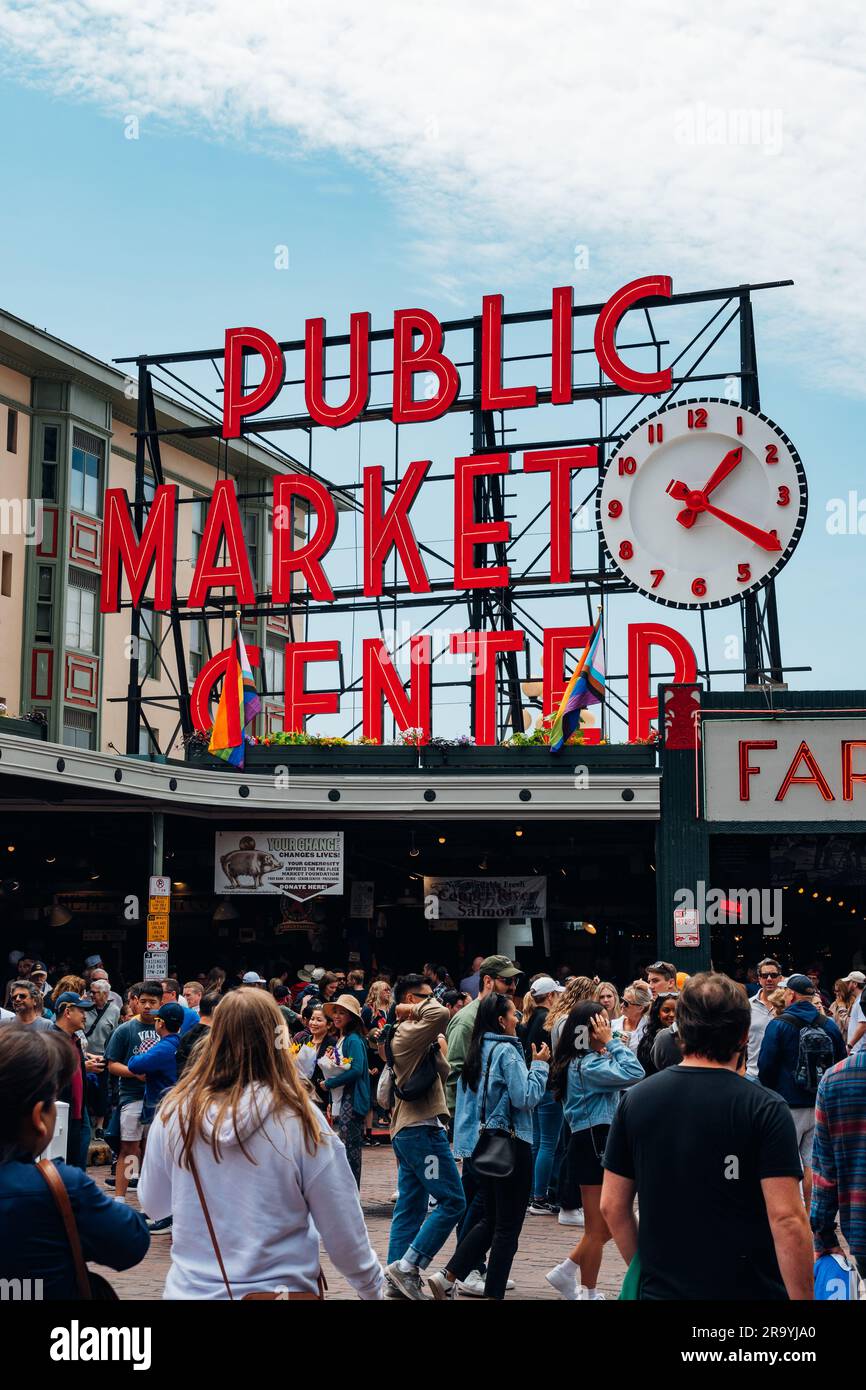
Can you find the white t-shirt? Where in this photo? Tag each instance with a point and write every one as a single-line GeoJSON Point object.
{"type": "Point", "coordinates": [856, 1018]}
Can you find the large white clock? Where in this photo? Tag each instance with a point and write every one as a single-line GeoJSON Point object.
{"type": "Point", "coordinates": [703, 502]}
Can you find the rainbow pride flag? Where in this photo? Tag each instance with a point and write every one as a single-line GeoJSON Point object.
{"type": "Point", "coordinates": [586, 687]}
{"type": "Point", "coordinates": [238, 704]}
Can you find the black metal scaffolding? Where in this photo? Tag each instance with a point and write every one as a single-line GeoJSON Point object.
{"type": "Point", "coordinates": [175, 375]}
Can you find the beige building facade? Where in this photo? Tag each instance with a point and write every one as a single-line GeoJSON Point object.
{"type": "Point", "coordinates": [67, 432]}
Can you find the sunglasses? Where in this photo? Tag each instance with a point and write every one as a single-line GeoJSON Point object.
{"type": "Point", "coordinates": [773, 975]}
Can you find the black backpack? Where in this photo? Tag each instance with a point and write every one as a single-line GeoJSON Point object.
{"type": "Point", "coordinates": [423, 1078]}
{"type": "Point", "coordinates": [815, 1054]}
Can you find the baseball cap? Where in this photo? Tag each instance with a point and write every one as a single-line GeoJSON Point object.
{"type": "Point", "coordinates": [855, 977]}
{"type": "Point", "coordinates": [800, 984]}
{"type": "Point", "coordinates": [318, 975]}
{"type": "Point", "coordinates": [545, 985]}
{"type": "Point", "coordinates": [70, 997]}
{"type": "Point", "coordinates": [170, 1013]}
{"type": "Point", "coordinates": [500, 967]}
{"type": "Point", "coordinates": [252, 977]}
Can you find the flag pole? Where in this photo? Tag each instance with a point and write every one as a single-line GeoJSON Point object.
{"type": "Point", "coordinates": [575, 677]}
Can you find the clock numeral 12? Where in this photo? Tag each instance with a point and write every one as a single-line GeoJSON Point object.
{"type": "Point", "coordinates": [697, 419]}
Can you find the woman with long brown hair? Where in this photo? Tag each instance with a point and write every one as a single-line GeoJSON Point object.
{"type": "Point", "coordinates": [579, 987]}
{"type": "Point", "coordinates": [240, 1121]}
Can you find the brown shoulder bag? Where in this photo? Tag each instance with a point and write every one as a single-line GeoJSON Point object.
{"type": "Point", "coordinates": [248, 1297]}
{"type": "Point", "coordinates": [91, 1286]}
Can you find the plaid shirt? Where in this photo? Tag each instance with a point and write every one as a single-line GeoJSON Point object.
{"type": "Point", "coordinates": [839, 1156]}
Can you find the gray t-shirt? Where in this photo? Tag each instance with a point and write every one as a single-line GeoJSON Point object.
{"type": "Point", "coordinates": [130, 1040]}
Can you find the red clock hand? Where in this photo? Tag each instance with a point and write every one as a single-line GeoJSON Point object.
{"type": "Point", "coordinates": [727, 465]}
{"type": "Point", "coordinates": [684, 494]}
{"type": "Point", "coordinates": [767, 539]}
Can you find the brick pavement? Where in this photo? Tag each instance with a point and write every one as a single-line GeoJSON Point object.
{"type": "Point", "coordinates": [543, 1242]}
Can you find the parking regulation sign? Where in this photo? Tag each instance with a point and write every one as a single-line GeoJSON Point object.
{"type": "Point", "coordinates": [155, 964]}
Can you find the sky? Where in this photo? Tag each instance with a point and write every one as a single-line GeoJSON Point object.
{"type": "Point", "coordinates": [156, 157]}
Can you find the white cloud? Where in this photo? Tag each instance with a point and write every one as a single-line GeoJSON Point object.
{"type": "Point", "coordinates": [716, 143]}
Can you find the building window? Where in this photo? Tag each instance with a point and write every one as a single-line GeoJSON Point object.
{"type": "Point", "coordinates": [274, 655]}
{"type": "Point", "coordinates": [81, 618]}
{"type": "Point", "coordinates": [148, 741]}
{"type": "Point", "coordinates": [148, 644]}
{"type": "Point", "coordinates": [197, 647]}
{"type": "Point", "coordinates": [149, 493]}
{"type": "Point", "coordinates": [251, 535]}
{"type": "Point", "coordinates": [6, 574]}
{"type": "Point", "coordinates": [44, 602]}
{"type": "Point", "coordinates": [198, 510]}
{"type": "Point", "coordinates": [79, 729]}
{"type": "Point", "coordinates": [84, 487]}
{"type": "Point", "coordinates": [50, 445]}
{"type": "Point", "coordinates": [12, 432]}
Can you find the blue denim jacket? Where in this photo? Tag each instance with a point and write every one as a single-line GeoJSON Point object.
{"type": "Point", "coordinates": [513, 1091]}
{"type": "Point", "coordinates": [595, 1081]}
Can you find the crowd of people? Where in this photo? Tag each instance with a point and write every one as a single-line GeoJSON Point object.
{"type": "Point", "coordinates": [504, 1100]}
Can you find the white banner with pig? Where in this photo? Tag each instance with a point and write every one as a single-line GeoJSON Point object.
{"type": "Point", "coordinates": [294, 864]}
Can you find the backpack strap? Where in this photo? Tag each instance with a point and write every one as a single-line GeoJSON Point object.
{"type": "Point", "coordinates": [801, 1023]}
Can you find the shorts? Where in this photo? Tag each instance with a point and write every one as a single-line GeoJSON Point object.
{"type": "Point", "coordinates": [804, 1124]}
{"type": "Point", "coordinates": [131, 1127]}
{"type": "Point", "coordinates": [584, 1165]}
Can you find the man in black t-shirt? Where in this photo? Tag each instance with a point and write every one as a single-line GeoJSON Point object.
{"type": "Point", "coordinates": [713, 1159]}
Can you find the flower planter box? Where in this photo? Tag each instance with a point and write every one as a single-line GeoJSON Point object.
{"type": "Point", "coordinates": [22, 728]}
{"type": "Point", "coordinates": [623, 759]}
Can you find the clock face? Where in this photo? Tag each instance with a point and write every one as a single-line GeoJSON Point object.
{"type": "Point", "coordinates": [703, 502]}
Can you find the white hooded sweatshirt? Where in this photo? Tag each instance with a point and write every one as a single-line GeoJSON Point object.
{"type": "Point", "coordinates": [268, 1216]}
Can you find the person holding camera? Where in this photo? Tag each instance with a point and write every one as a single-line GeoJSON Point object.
{"type": "Point", "coordinates": [416, 1054]}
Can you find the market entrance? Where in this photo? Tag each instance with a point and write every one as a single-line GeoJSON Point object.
{"type": "Point", "coordinates": [812, 891]}
{"type": "Point", "coordinates": [596, 913]}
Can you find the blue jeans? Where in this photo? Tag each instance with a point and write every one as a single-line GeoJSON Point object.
{"type": "Point", "coordinates": [546, 1125]}
{"type": "Point", "coordinates": [425, 1168]}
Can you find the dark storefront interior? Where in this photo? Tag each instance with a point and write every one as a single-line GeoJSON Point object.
{"type": "Point", "coordinates": [819, 883]}
{"type": "Point", "coordinates": [66, 878]}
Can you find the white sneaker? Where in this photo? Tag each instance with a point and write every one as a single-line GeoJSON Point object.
{"type": "Point", "coordinates": [564, 1280]}
{"type": "Point", "coordinates": [571, 1218]}
{"type": "Point", "coordinates": [590, 1296]}
{"type": "Point", "coordinates": [472, 1285]}
{"type": "Point", "coordinates": [441, 1287]}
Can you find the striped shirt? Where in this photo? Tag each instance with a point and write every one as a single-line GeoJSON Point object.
{"type": "Point", "coordinates": [839, 1155]}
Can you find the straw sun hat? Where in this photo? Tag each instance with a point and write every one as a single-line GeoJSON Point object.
{"type": "Point", "coordinates": [344, 1001]}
